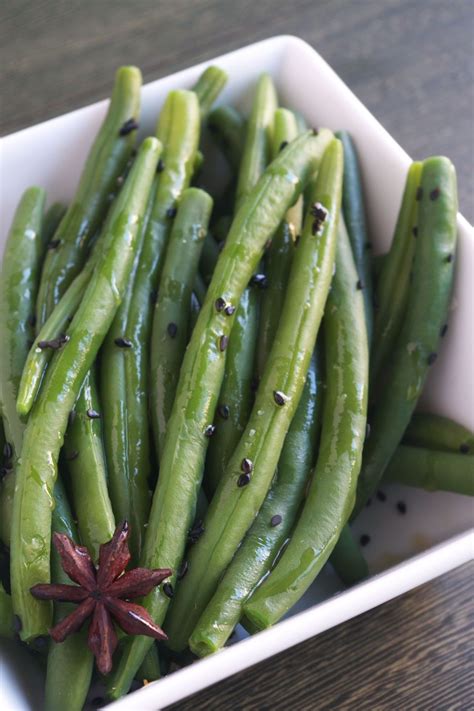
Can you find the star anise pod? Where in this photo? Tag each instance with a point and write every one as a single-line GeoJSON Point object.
{"type": "Point", "coordinates": [102, 593]}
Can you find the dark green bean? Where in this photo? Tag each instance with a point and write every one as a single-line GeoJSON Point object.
{"type": "Point", "coordinates": [228, 129]}
{"type": "Point", "coordinates": [52, 218]}
{"type": "Point", "coordinates": [434, 470]}
{"type": "Point", "coordinates": [209, 256]}
{"type": "Point", "coordinates": [439, 433]}
{"type": "Point", "coordinates": [106, 162]}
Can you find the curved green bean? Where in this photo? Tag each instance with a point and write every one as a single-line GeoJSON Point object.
{"type": "Point", "coordinates": [333, 485]}
{"type": "Point", "coordinates": [202, 372]}
{"type": "Point", "coordinates": [393, 281]}
{"type": "Point", "coordinates": [228, 129]}
{"type": "Point", "coordinates": [417, 343]}
{"type": "Point", "coordinates": [106, 162]}
{"type": "Point", "coordinates": [18, 285]}
{"type": "Point", "coordinates": [438, 433]}
{"type": "Point", "coordinates": [37, 469]}
{"type": "Point", "coordinates": [249, 472]}
{"type": "Point", "coordinates": [347, 559]}
{"type": "Point", "coordinates": [353, 208]}
{"type": "Point", "coordinates": [271, 528]}
{"type": "Point", "coordinates": [208, 87]}
{"type": "Point", "coordinates": [434, 470]}
{"type": "Point", "coordinates": [171, 317]}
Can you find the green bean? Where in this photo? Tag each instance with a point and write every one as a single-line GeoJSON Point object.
{"type": "Point", "coordinates": [150, 668]}
{"type": "Point", "coordinates": [208, 259]}
{"type": "Point", "coordinates": [18, 284]}
{"type": "Point", "coordinates": [228, 129]}
{"type": "Point", "coordinates": [202, 372]}
{"type": "Point", "coordinates": [7, 629]}
{"type": "Point", "coordinates": [221, 228]}
{"type": "Point", "coordinates": [178, 129]}
{"type": "Point", "coordinates": [417, 343]}
{"type": "Point", "coordinates": [280, 254]}
{"type": "Point", "coordinates": [248, 475]}
{"type": "Point", "coordinates": [199, 288]}
{"type": "Point", "coordinates": [353, 208]}
{"type": "Point", "coordinates": [53, 216]}
{"type": "Point", "coordinates": [393, 281]}
{"type": "Point", "coordinates": [171, 318]}
{"type": "Point", "coordinates": [271, 528]}
{"type": "Point", "coordinates": [194, 313]}
{"type": "Point", "coordinates": [129, 492]}
{"type": "Point", "coordinates": [208, 87]}
{"type": "Point", "coordinates": [7, 489]}
{"type": "Point", "coordinates": [347, 559]}
{"type": "Point", "coordinates": [70, 664]}
{"type": "Point", "coordinates": [439, 433]}
{"type": "Point", "coordinates": [37, 469]}
{"type": "Point", "coordinates": [434, 470]}
{"type": "Point", "coordinates": [333, 485]}
{"type": "Point", "coordinates": [106, 162]}
{"type": "Point", "coordinates": [84, 452]}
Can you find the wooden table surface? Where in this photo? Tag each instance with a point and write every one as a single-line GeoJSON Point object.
{"type": "Point", "coordinates": [410, 62]}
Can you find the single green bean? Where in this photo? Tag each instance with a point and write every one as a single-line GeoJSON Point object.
{"type": "Point", "coordinates": [439, 433]}
{"type": "Point", "coordinates": [37, 469]}
{"type": "Point", "coordinates": [106, 162]}
{"type": "Point", "coordinates": [347, 559]}
{"type": "Point", "coordinates": [18, 285]}
{"type": "Point", "coordinates": [271, 528]}
{"type": "Point", "coordinates": [7, 628]}
{"type": "Point", "coordinates": [333, 486]}
{"type": "Point", "coordinates": [52, 218]}
{"type": "Point", "coordinates": [209, 86]}
{"type": "Point", "coordinates": [202, 372]}
{"type": "Point", "coordinates": [427, 310]}
{"type": "Point", "coordinates": [353, 207]}
{"type": "Point", "coordinates": [84, 452]}
{"type": "Point", "coordinates": [228, 129]}
{"type": "Point", "coordinates": [433, 470]}
{"type": "Point", "coordinates": [249, 472]}
{"type": "Point", "coordinates": [70, 664]}
{"type": "Point", "coordinates": [393, 281]}
{"type": "Point", "coordinates": [171, 317]}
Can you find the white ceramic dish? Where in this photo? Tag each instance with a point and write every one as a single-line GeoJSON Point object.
{"type": "Point", "coordinates": [405, 551]}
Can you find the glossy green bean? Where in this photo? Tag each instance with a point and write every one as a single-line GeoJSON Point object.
{"type": "Point", "coordinates": [202, 372]}
{"type": "Point", "coordinates": [37, 469]}
{"type": "Point", "coordinates": [18, 285]}
{"type": "Point", "coordinates": [417, 343]}
{"type": "Point", "coordinates": [171, 317]}
{"type": "Point", "coordinates": [393, 281]}
{"type": "Point", "coordinates": [333, 486]}
{"type": "Point", "coordinates": [439, 433]}
{"type": "Point", "coordinates": [249, 472]}
{"type": "Point", "coordinates": [271, 528]}
{"type": "Point", "coordinates": [353, 207]}
{"type": "Point", "coordinates": [228, 129]}
{"type": "Point", "coordinates": [84, 452]}
{"type": "Point", "coordinates": [347, 559]}
{"type": "Point", "coordinates": [208, 87]}
{"type": "Point", "coordinates": [53, 216]}
{"type": "Point", "coordinates": [70, 664]}
{"type": "Point", "coordinates": [434, 470]}
{"type": "Point", "coordinates": [106, 162]}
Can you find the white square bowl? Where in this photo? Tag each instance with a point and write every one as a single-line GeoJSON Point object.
{"type": "Point", "coordinates": [405, 551]}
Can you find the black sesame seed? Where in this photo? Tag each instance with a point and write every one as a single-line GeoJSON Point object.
{"type": "Point", "coordinates": [129, 126]}
{"type": "Point", "coordinates": [223, 343]}
{"type": "Point", "coordinates": [93, 414]}
{"type": "Point", "coordinates": [444, 330]}
{"type": "Point", "coordinates": [7, 451]}
{"type": "Point", "coordinates": [360, 284]}
{"type": "Point", "coordinates": [464, 448]}
{"type": "Point", "coordinates": [449, 258]}
{"type": "Point", "coordinates": [54, 343]}
{"type": "Point", "coordinates": [229, 310]}
{"type": "Point", "coordinates": [123, 342]}
{"type": "Point", "coordinates": [434, 194]}
{"type": "Point", "coordinates": [183, 570]}
{"type": "Point", "coordinates": [415, 231]}
{"type": "Point", "coordinates": [419, 193]}
{"type": "Point", "coordinates": [161, 166]}
{"type": "Point", "coordinates": [168, 590]}
{"type": "Point", "coordinates": [401, 507]}
{"type": "Point", "coordinates": [275, 520]}
{"type": "Point", "coordinates": [54, 244]}
{"type": "Point", "coordinates": [381, 496]}
{"type": "Point", "coordinates": [196, 531]}
{"type": "Point", "coordinates": [259, 280]}
{"type": "Point", "coordinates": [209, 431]}
{"type": "Point", "coordinates": [172, 330]}
{"type": "Point", "coordinates": [283, 145]}
{"type": "Point", "coordinates": [171, 212]}
{"type": "Point", "coordinates": [72, 455]}
{"type": "Point", "coordinates": [219, 304]}
{"type": "Point", "coordinates": [246, 465]}
{"type": "Point", "coordinates": [364, 539]}
{"type": "Point", "coordinates": [279, 397]}
{"type": "Point", "coordinates": [243, 480]}
{"type": "Point", "coordinates": [223, 411]}
{"type": "Point", "coordinates": [431, 358]}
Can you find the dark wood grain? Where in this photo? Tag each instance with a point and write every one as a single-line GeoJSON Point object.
{"type": "Point", "coordinates": [410, 654]}
{"type": "Point", "coordinates": [410, 62]}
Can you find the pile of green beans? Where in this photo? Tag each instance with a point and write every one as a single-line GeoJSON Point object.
{"type": "Point", "coordinates": [231, 372]}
